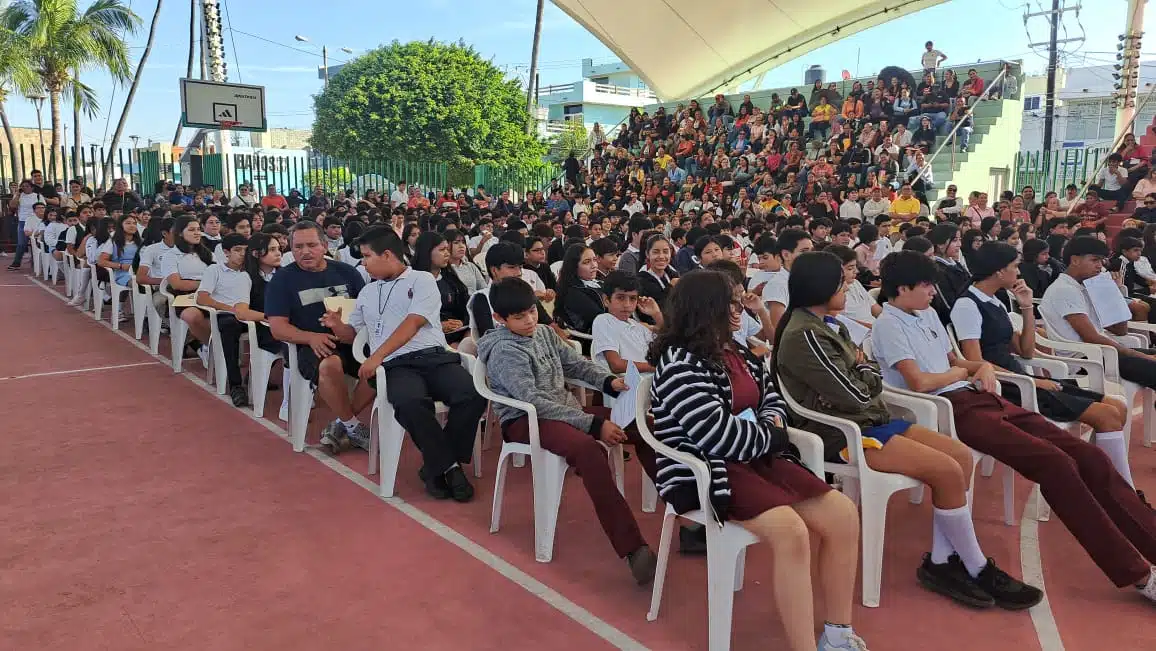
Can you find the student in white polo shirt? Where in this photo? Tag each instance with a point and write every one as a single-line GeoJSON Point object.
{"type": "Point", "coordinates": [401, 310]}
{"type": "Point", "coordinates": [158, 240]}
{"type": "Point", "coordinates": [618, 336]}
{"type": "Point", "coordinates": [1069, 315]}
{"type": "Point", "coordinates": [223, 287]}
{"type": "Point", "coordinates": [792, 243]}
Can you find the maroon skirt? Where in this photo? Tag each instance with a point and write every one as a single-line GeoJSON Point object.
{"type": "Point", "coordinates": [769, 482]}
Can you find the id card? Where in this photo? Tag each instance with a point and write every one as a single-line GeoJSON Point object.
{"type": "Point", "coordinates": [748, 414]}
{"type": "Point", "coordinates": [378, 330]}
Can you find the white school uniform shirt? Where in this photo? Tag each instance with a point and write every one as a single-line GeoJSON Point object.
{"type": "Point", "coordinates": [533, 280]}
{"type": "Point", "coordinates": [630, 339]}
{"type": "Point", "coordinates": [859, 303]}
{"type": "Point", "coordinates": [219, 255]}
{"type": "Point", "coordinates": [187, 266]}
{"type": "Point", "coordinates": [776, 289]}
{"type": "Point", "coordinates": [883, 247]}
{"type": "Point", "coordinates": [226, 285]}
{"type": "Point", "coordinates": [1064, 297]}
{"type": "Point", "coordinates": [383, 304]}
{"type": "Point", "coordinates": [287, 258]}
{"type": "Point", "coordinates": [90, 250]}
{"type": "Point", "coordinates": [899, 335]}
{"type": "Point", "coordinates": [152, 257]}
{"type": "Point", "coordinates": [52, 234]}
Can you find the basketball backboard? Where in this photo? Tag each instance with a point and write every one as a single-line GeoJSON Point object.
{"type": "Point", "coordinates": [214, 105]}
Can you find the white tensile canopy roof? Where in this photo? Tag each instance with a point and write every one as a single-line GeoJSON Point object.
{"type": "Point", "coordinates": [692, 48]}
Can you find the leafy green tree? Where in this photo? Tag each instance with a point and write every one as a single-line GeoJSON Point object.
{"type": "Point", "coordinates": [62, 41]}
{"type": "Point", "coordinates": [334, 179]}
{"type": "Point", "coordinates": [424, 101]}
{"type": "Point", "coordinates": [573, 138]}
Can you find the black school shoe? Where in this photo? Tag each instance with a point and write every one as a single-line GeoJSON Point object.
{"type": "Point", "coordinates": [239, 395]}
{"type": "Point", "coordinates": [692, 540]}
{"type": "Point", "coordinates": [1008, 592]}
{"type": "Point", "coordinates": [951, 580]}
{"type": "Point", "coordinates": [460, 488]}
{"type": "Point", "coordinates": [436, 486]}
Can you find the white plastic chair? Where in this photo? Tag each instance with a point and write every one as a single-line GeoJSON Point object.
{"type": "Point", "coordinates": [114, 291]}
{"type": "Point", "coordinates": [178, 329]}
{"type": "Point", "coordinates": [37, 252]}
{"type": "Point", "coordinates": [1109, 359]}
{"type": "Point", "coordinates": [870, 488]}
{"type": "Point", "coordinates": [218, 373]}
{"type": "Point", "coordinates": [260, 368]}
{"type": "Point", "coordinates": [69, 274]}
{"type": "Point", "coordinates": [387, 435]}
{"type": "Point", "coordinates": [81, 274]}
{"type": "Point", "coordinates": [143, 309]}
{"type": "Point", "coordinates": [300, 401]}
{"type": "Point", "coordinates": [726, 545]}
{"type": "Point", "coordinates": [548, 471]}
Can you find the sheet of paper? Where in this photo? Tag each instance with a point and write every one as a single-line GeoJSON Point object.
{"type": "Point", "coordinates": [622, 413]}
{"type": "Point", "coordinates": [748, 414]}
{"type": "Point", "coordinates": [1110, 305]}
{"type": "Point", "coordinates": [185, 300]}
{"type": "Point", "coordinates": [858, 331]}
{"type": "Point", "coordinates": [341, 304]}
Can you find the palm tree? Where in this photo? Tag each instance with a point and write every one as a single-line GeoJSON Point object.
{"type": "Point", "coordinates": [144, 57]}
{"type": "Point", "coordinates": [192, 46]}
{"type": "Point", "coordinates": [16, 75]}
{"type": "Point", "coordinates": [62, 41]}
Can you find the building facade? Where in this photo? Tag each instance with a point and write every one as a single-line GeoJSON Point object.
{"type": "Point", "coordinates": [1084, 116]}
{"type": "Point", "coordinates": [604, 95]}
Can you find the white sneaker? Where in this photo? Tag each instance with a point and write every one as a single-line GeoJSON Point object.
{"type": "Point", "coordinates": [851, 643]}
{"type": "Point", "coordinates": [203, 353]}
{"type": "Point", "coordinates": [1149, 588]}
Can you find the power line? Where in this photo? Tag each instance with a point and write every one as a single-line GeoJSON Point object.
{"type": "Point", "coordinates": [279, 44]}
{"type": "Point", "coordinates": [233, 39]}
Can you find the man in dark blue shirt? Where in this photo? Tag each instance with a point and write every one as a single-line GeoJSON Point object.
{"type": "Point", "coordinates": [295, 305]}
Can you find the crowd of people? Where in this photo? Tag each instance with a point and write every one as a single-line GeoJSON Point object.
{"type": "Point", "coordinates": [734, 255]}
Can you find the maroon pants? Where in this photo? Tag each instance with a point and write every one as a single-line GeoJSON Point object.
{"type": "Point", "coordinates": [1083, 488]}
{"type": "Point", "coordinates": [588, 458]}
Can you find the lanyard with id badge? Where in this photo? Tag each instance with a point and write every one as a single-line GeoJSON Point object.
{"type": "Point", "coordinates": [379, 327]}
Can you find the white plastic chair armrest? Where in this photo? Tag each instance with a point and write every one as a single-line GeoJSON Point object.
{"type": "Point", "coordinates": [1094, 369]}
{"type": "Point", "coordinates": [579, 335]}
{"type": "Point", "coordinates": [1041, 362]}
{"type": "Point", "coordinates": [945, 416]}
{"type": "Point", "coordinates": [698, 467]}
{"type": "Point", "coordinates": [1141, 327]}
{"type": "Point", "coordinates": [926, 412]}
{"type": "Point", "coordinates": [359, 345]}
{"type": "Point", "coordinates": [482, 386]}
{"type": "Point", "coordinates": [810, 449]}
{"type": "Point", "coordinates": [848, 428]}
{"type": "Point", "coordinates": [1026, 386]}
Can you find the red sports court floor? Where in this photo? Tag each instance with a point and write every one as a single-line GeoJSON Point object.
{"type": "Point", "coordinates": [143, 512]}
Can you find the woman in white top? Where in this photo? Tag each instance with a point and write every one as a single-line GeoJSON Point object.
{"type": "Point", "coordinates": [469, 273]}
{"type": "Point", "coordinates": [244, 199]}
{"type": "Point", "coordinates": [185, 265]}
{"type": "Point", "coordinates": [75, 197]}
{"type": "Point", "coordinates": [53, 230]}
{"type": "Point", "coordinates": [860, 307]}
{"type": "Point", "coordinates": [120, 250]}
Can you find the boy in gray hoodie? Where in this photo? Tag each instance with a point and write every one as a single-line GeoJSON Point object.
{"type": "Point", "coordinates": [530, 363]}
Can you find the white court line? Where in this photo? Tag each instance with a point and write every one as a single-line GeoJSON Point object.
{"type": "Point", "coordinates": [78, 370]}
{"type": "Point", "coordinates": [19, 285]}
{"type": "Point", "coordinates": [1032, 569]}
{"type": "Point", "coordinates": [585, 618]}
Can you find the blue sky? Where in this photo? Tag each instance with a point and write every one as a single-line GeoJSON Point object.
{"type": "Point", "coordinates": [502, 29]}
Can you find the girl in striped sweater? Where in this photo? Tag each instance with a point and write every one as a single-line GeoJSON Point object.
{"type": "Point", "coordinates": [712, 398]}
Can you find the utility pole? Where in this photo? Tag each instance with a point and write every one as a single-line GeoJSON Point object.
{"type": "Point", "coordinates": [1055, 16]}
{"type": "Point", "coordinates": [1053, 61]}
{"type": "Point", "coordinates": [1128, 70]}
{"type": "Point", "coordinates": [325, 63]}
{"type": "Point", "coordinates": [531, 83]}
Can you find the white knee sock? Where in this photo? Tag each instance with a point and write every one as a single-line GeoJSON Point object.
{"type": "Point", "coordinates": [941, 547]}
{"type": "Point", "coordinates": [959, 530]}
{"type": "Point", "coordinates": [1116, 447]}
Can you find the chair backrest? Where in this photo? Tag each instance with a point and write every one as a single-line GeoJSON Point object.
{"type": "Point", "coordinates": [873, 293]}
{"type": "Point", "coordinates": [697, 466]}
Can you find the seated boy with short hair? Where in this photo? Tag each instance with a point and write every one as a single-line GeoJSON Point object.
{"type": "Point", "coordinates": [401, 311]}
{"type": "Point", "coordinates": [503, 260]}
{"type": "Point", "coordinates": [618, 336]}
{"type": "Point", "coordinates": [529, 362]}
{"type": "Point", "coordinates": [1095, 503]}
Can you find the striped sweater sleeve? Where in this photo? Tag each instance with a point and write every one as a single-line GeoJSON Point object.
{"type": "Point", "coordinates": [693, 400]}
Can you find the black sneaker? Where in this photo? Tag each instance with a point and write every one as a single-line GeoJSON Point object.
{"type": "Point", "coordinates": [642, 564]}
{"type": "Point", "coordinates": [436, 486]}
{"type": "Point", "coordinates": [239, 396]}
{"type": "Point", "coordinates": [692, 541]}
{"type": "Point", "coordinates": [460, 488]}
{"type": "Point", "coordinates": [1009, 593]}
{"type": "Point", "coordinates": [952, 581]}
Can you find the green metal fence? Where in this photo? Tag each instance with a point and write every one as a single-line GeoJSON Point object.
{"type": "Point", "coordinates": [142, 167]}
{"type": "Point", "coordinates": [518, 180]}
{"type": "Point", "coordinates": [1051, 171]}
{"type": "Point", "coordinates": [306, 172]}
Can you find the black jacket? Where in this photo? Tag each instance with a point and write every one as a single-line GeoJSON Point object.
{"type": "Point", "coordinates": [578, 308]}
{"type": "Point", "coordinates": [953, 282]}
{"type": "Point", "coordinates": [1039, 280]}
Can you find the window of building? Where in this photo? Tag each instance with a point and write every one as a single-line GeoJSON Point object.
{"type": "Point", "coordinates": [1032, 103]}
{"type": "Point", "coordinates": [600, 80]}
{"type": "Point", "coordinates": [571, 110]}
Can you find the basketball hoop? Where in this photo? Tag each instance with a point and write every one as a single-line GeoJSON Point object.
{"type": "Point", "coordinates": [225, 125]}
